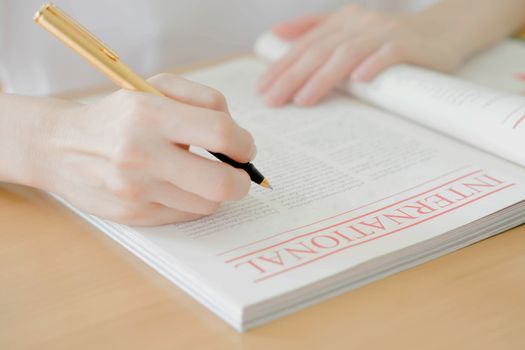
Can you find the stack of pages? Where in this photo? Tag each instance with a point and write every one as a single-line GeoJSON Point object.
{"type": "Point", "coordinates": [414, 165]}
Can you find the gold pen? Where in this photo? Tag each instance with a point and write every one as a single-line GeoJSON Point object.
{"type": "Point", "coordinates": [71, 33]}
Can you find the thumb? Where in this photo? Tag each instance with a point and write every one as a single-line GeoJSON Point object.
{"type": "Point", "coordinates": [295, 28]}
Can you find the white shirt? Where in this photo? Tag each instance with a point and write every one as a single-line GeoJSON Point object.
{"type": "Point", "coordinates": [149, 35]}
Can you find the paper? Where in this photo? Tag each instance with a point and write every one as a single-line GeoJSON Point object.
{"type": "Point", "coordinates": [354, 186]}
{"type": "Point", "coordinates": [488, 118]}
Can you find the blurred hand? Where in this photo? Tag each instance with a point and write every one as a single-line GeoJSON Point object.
{"type": "Point", "coordinates": [353, 42]}
{"type": "Point", "coordinates": [126, 157]}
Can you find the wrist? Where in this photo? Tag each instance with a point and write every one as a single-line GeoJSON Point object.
{"type": "Point", "coordinates": [31, 129]}
{"type": "Point", "coordinates": [445, 30]}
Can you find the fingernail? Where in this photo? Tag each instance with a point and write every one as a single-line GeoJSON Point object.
{"type": "Point", "coordinates": [253, 151]}
{"type": "Point", "coordinates": [274, 98]}
{"type": "Point", "coordinates": [305, 96]}
{"type": "Point", "coordinates": [260, 87]}
{"type": "Point", "coordinates": [359, 76]}
{"type": "Point", "coordinates": [263, 84]}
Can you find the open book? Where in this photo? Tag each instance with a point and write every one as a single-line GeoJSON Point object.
{"type": "Point", "coordinates": [418, 165]}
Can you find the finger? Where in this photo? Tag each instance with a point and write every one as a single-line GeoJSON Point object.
{"type": "Point", "coordinates": [295, 28]}
{"type": "Point", "coordinates": [383, 58]}
{"type": "Point", "coordinates": [338, 67]}
{"type": "Point", "coordinates": [111, 207]}
{"type": "Point", "coordinates": [189, 92]}
{"type": "Point", "coordinates": [134, 187]}
{"type": "Point", "coordinates": [212, 180]}
{"type": "Point", "coordinates": [173, 197]}
{"type": "Point", "coordinates": [293, 78]}
{"type": "Point", "coordinates": [312, 37]}
{"type": "Point", "coordinates": [212, 130]}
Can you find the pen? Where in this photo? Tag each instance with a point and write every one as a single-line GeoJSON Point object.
{"type": "Point", "coordinates": [72, 34]}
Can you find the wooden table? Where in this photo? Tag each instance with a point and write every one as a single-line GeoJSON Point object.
{"type": "Point", "coordinates": [64, 285]}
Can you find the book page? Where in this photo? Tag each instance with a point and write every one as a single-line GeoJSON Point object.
{"type": "Point", "coordinates": [500, 67]}
{"type": "Point", "coordinates": [351, 183]}
{"type": "Point", "coordinates": [493, 120]}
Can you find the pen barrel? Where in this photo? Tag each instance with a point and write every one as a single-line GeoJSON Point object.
{"type": "Point", "coordinates": [72, 34]}
{"type": "Point", "coordinates": [254, 174]}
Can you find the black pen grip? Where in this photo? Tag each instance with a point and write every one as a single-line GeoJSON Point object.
{"type": "Point", "coordinates": [252, 171]}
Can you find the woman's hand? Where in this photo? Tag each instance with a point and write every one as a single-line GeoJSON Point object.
{"type": "Point", "coordinates": [353, 42]}
{"type": "Point", "coordinates": [126, 157]}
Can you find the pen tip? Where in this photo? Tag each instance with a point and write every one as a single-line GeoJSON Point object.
{"type": "Point", "coordinates": [266, 184]}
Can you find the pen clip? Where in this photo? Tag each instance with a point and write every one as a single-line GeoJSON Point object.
{"type": "Point", "coordinates": [57, 12]}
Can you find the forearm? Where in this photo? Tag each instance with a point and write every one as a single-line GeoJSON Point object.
{"type": "Point", "coordinates": [27, 126]}
{"type": "Point", "coordinates": [471, 25]}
